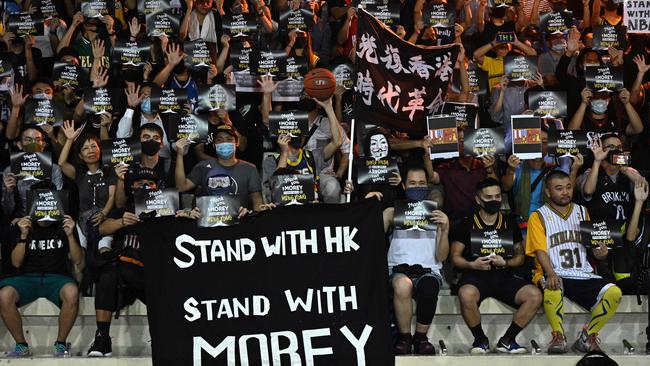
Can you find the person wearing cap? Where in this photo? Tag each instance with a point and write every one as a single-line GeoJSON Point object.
{"type": "Point", "coordinates": [41, 254]}
{"type": "Point", "coordinates": [119, 271]}
{"type": "Point", "coordinates": [225, 175]}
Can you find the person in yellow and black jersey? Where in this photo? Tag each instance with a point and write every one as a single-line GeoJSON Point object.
{"type": "Point", "coordinates": [563, 268]}
{"type": "Point", "coordinates": [492, 275]}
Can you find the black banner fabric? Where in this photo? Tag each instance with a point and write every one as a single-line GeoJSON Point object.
{"type": "Point", "coordinates": [291, 123]}
{"type": "Point", "coordinates": [47, 204]}
{"type": "Point", "coordinates": [548, 103]}
{"type": "Point", "coordinates": [301, 285]}
{"type": "Point", "coordinates": [606, 36]}
{"type": "Point", "coordinates": [484, 141]}
{"type": "Point", "coordinates": [34, 166]}
{"type": "Point", "coordinates": [292, 189]}
{"type": "Point", "coordinates": [595, 233]}
{"type": "Point", "coordinates": [398, 84]}
{"type": "Point", "coordinates": [414, 215]}
{"type": "Point", "coordinates": [497, 242]}
{"type": "Point", "coordinates": [122, 151]}
{"type": "Point", "coordinates": [567, 142]}
{"type": "Point", "coordinates": [151, 203]}
{"type": "Point", "coordinates": [25, 24]}
{"type": "Point", "coordinates": [604, 78]}
{"type": "Point", "coordinates": [526, 137]}
{"type": "Point", "coordinates": [376, 171]}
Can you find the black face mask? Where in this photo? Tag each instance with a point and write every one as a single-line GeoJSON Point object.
{"type": "Point", "coordinates": [499, 12]}
{"type": "Point", "coordinates": [491, 207]}
{"type": "Point", "coordinates": [307, 105]}
{"type": "Point", "coordinates": [150, 147]}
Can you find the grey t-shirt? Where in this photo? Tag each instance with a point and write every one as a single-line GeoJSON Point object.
{"type": "Point", "coordinates": [213, 179]}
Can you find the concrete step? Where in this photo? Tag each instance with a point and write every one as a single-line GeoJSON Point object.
{"type": "Point", "coordinates": [528, 360]}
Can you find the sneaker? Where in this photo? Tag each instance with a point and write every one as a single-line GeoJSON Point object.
{"type": "Point", "coordinates": [480, 347]}
{"type": "Point", "coordinates": [403, 346]}
{"type": "Point", "coordinates": [20, 351]}
{"type": "Point", "coordinates": [423, 347]}
{"type": "Point", "coordinates": [557, 344]}
{"type": "Point", "coordinates": [586, 343]}
{"type": "Point", "coordinates": [511, 347]}
{"type": "Point", "coordinates": [101, 347]}
{"type": "Point", "coordinates": [61, 350]}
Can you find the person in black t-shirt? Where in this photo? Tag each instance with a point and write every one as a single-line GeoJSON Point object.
{"type": "Point", "coordinates": [492, 275]}
{"type": "Point", "coordinates": [40, 254]}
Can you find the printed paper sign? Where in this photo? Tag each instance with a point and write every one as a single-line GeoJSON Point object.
{"type": "Point", "coordinates": [218, 210]}
{"type": "Point", "coordinates": [123, 151]}
{"type": "Point", "coordinates": [444, 137]}
{"type": "Point", "coordinates": [526, 137]}
{"type": "Point", "coordinates": [596, 233]}
{"type": "Point", "coordinates": [292, 189]}
{"type": "Point", "coordinates": [414, 215]}
{"type": "Point", "coordinates": [31, 166]}
{"type": "Point", "coordinates": [483, 141]}
{"type": "Point", "coordinates": [567, 142]}
{"type": "Point", "coordinates": [152, 203]}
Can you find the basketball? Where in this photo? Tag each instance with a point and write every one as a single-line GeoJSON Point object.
{"type": "Point", "coordinates": [320, 83]}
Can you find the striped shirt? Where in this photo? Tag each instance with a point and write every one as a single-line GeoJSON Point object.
{"type": "Point", "coordinates": [559, 236]}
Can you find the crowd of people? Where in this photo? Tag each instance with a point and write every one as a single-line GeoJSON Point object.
{"type": "Point", "coordinates": [94, 250]}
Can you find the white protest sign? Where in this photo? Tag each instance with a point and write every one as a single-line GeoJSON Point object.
{"type": "Point", "coordinates": [637, 16]}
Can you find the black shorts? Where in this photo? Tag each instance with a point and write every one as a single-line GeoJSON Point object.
{"type": "Point", "coordinates": [585, 293]}
{"type": "Point", "coordinates": [119, 286]}
{"type": "Point", "coordinates": [498, 284]}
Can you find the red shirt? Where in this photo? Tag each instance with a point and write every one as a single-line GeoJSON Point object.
{"type": "Point", "coordinates": [460, 186]}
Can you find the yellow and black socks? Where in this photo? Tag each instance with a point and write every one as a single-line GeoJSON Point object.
{"type": "Point", "coordinates": [604, 310]}
{"type": "Point", "coordinates": [554, 309]}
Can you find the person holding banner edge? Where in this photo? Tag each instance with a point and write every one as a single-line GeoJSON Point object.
{"type": "Point", "coordinates": [492, 275]}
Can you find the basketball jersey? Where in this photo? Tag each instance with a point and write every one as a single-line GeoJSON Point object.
{"type": "Point", "coordinates": [568, 255]}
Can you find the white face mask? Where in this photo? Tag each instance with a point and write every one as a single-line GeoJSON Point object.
{"type": "Point", "coordinates": [559, 47]}
{"type": "Point", "coordinates": [599, 106]}
{"type": "Point", "coordinates": [378, 147]}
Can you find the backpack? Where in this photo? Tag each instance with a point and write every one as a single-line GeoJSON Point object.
{"type": "Point", "coordinates": [596, 358]}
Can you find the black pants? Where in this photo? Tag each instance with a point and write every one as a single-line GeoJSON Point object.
{"type": "Point", "coordinates": [119, 285]}
{"type": "Point", "coordinates": [629, 287]}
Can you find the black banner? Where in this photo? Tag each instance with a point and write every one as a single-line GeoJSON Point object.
{"type": "Point", "coordinates": [567, 142]}
{"type": "Point", "coordinates": [163, 22]}
{"type": "Point", "coordinates": [483, 141]}
{"type": "Point", "coordinates": [606, 36]}
{"type": "Point", "coordinates": [69, 75]}
{"type": "Point", "coordinates": [268, 62]}
{"type": "Point", "coordinates": [215, 97]}
{"type": "Point", "coordinates": [520, 67]}
{"type": "Point", "coordinates": [344, 74]}
{"type": "Point", "coordinates": [556, 22]}
{"type": "Point", "coordinates": [47, 8]}
{"type": "Point", "coordinates": [548, 103]}
{"type": "Point", "coordinates": [398, 84]}
{"type": "Point", "coordinates": [376, 171]}
{"type": "Point", "coordinates": [526, 137]}
{"type": "Point", "coordinates": [292, 123]}
{"type": "Point", "coordinates": [604, 78]}
{"type": "Point", "coordinates": [151, 203]}
{"type": "Point", "coordinates": [595, 233]}
{"type": "Point", "coordinates": [439, 15]}
{"type": "Point", "coordinates": [492, 242]}
{"type": "Point", "coordinates": [218, 210]}
{"type": "Point", "coordinates": [43, 111]}
{"type": "Point", "coordinates": [24, 24]}
{"type": "Point", "coordinates": [191, 126]}
{"type": "Point", "coordinates": [168, 100]}
{"type": "Point", "coordinates": [292, 189]}
{"type": "Point", "coordinates": [388, 13]}
{"type": "Point", "coordinates": [237, 25]}
{"type": "Point", "coordinates": [198, 54]}
{"type": "Point", "coordinates": [284, 265]}
{"type": "Point", "coordinates": [100, 101]}
{"type": "Point", "coordinates": [299, 19]}
{"type": "Point", "coordinates": [121, 151]}
{"type": "Point", "coordinates": [478, 80]}
{"type": "Point", "coordinates": [414, 215]}
{"type": "Point", "coordinates": [465, 113]}
{"type": "Point", "coordinates": [31, 166]}
{"type": "Point", "coordinates": [131, 53]}
{"type": "Point", "coordinates": [444, 137]}
{"type": "Point", "coordinates": [47, 204]}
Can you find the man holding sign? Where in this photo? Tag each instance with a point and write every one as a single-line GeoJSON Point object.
{"type": "Point", "coordinates": [563, 269]}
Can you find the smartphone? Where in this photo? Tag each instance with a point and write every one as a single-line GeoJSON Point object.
{"type": "Point", "coordinates": [620, 158]}
{"type": "Point", "coordinates": [505, 37]}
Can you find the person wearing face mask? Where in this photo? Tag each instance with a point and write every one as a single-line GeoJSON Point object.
{"type": "Point", "coordinates": [31, 140]}
{"type": "Point", "coordinates": [299, 46]}
{"type": "Point", "coordinates": [140, 96]}
{"type": "Point", "coordinates": [225, 175]}
{"type": "Point", "coordinates": [151, 140]}
{"type": "Point", "coordinates": [562, 267]}
{"type": "Point", "coordinates": [570, 70]}
{"type": "Point", "coordinates": [216, 118]}
{"type": "Point", "coordinates": [500, 22]}
{"type": "Point", "coordinates": [118, 271]}
{"type": "Point", "coordinates": [414, 264]}
{"type": "Point", "coordinates": [593, 114]}
{"type": "Point", "coordinates": [548, 61]}
{"type": "Point", "coordinates": [610, 16]}
{"type": "Point", "coordinates": [492, 275]}
{"type": "Point", "coordinates": [41, 89]}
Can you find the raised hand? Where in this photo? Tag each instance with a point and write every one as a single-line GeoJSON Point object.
{"type": "Point", "coordinates": [641, 190]}
{"type": "Point", "coordinates": [9, 180]}
{"type": "Point", "coordinates": [283, 142]}
{"type": "Point", "coordinates": [597, 149]}
{"type": "Point", "coordinates": [624, 96]}
{"type": "Point", "coordinates": [17, 97]}
{"type": "Point", "coordinates": [133, 97]}
{"type": "Point", "coordinates": [98, 48]}
{"type": "Point", "coordinates": [267, 84]}
{"type": "Point", "coordinates": [69, 130]}
{"type": "Point", "coordinates": [134, 27]}
{"type": "Point", "coordinates": [174, 54]}
{"type": "Point", "coordinates": [586, 95]}
{"type": "Point", "coordinates": [100, 79]}
{"type": "Point", "coordinates": [68, 225]}
{"type": "Point", "coordinates": [513, 162]}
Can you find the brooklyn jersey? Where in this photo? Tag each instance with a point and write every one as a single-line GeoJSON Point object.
{"type": "Point", "coordinates": [568, 256]}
